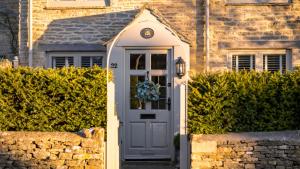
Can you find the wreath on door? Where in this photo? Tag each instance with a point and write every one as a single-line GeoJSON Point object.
{"type": "Point", "coordinates": [147, 91]}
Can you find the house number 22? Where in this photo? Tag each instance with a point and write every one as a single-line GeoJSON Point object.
{"type": "Point", "coordinates": [114, 65]}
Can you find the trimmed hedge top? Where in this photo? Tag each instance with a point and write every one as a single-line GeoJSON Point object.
{"type": "Point", "coordinates": [67, 99]}
{"type": "Point", "coordinates": [246, 101]}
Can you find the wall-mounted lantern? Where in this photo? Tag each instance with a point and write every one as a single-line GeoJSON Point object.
{"type": "Point", "coordinates": [180, 67]}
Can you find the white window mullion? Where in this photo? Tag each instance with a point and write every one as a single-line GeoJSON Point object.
{"type": "Point", "coordinates": [77, 60]}
{"type": "Point", "coordinates": [91, 61]}
{"type": "Point", "coordinates": [236, 63]}
{"type": "Point", "coordinates": [280, 64]}
{"type": "Point", "coordinates": [266, 62]}
{"type": "Point", "coordinates": [66, 61]}
{"type": "Point", "coordinates": [251, 62]}
{"type": "Point", "coordinates": [53, 62]}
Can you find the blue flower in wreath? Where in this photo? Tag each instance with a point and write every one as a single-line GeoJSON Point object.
{"type": "Point", "coordinates": [147, 91]}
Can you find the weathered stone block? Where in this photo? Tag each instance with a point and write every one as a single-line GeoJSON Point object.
{"type": "Point", "coordinates": [74, 163]}
{"type": "Point", "coordinates": [249, 166]}
{"type": "Point", "coordinates": [204, 147]}
{"type": "Point", "coordinates": [65, 156]}
{"type": "Point", "coordinates": [41, 154]}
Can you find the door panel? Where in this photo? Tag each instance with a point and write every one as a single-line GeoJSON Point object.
{"type": "Point", "coordinates": [147, 125]}
{"type": "Point", "coordinates": [138, 135]}
{"type": "Point", "coordinates": [159, 135]}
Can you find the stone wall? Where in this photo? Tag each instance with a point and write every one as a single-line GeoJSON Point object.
{"type": "Point", "coordinates": [10, 9]}
{"type": "Point", "coordinates": [97, 25]}
{"type": "Point", "coordinates": [251, 27]}
{"type": "Point", "coordinates": [232, 27]}
{"type": "Point", "coordinates": [280, 150]}
{"type": "Point", "coordinates": [45, 150]}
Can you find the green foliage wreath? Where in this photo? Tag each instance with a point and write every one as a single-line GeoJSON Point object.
{"type": "Point", "coordinates": [147, 91]}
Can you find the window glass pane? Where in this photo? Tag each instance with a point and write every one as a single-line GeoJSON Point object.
{"type": "Point", "coordinates": [159, 61]}
{"type": "Point", "coordinates": [137, 61]}
{"type": "Point", "coordinates": [162, 102]}
{"type": "Point", "coordinates": [89, 61]}
{"type": "Point", "coordinates": [59, 62]}
{"type": "Point", "coordinates": [134, 102]}
{"type": "Point", "coordinates": [283, 63]}
{"type": "Point", "coordinates": [85, 61]}
{"type": "Point", "coordinates": [97, 60]}
{"type": "Point", "coordinates": [274, 62]}
{"type": "Point", "coordinates": [253, 62]}
{"type": "Point", "coordinates": [70, 61]}
{"type": "Point", "coordinates": [244, 62]}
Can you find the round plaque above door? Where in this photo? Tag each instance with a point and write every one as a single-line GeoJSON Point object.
{"type": "Point", "coordinates": [147, 33]}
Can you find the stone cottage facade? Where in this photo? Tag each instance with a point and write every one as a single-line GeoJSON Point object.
{"type": "Point", "coordinates": [128, 36]}
{"type": "Point", "coordinates": [235, 25]}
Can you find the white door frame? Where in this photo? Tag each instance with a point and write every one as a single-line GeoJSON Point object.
{"type": "Point", "coordinates": [164, 37]}
{"type": "Point", "coordinates": [169, 52]}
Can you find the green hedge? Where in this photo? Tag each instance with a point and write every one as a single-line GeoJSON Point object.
{"type": "Point", "coordinates": [67, 99]}
{"type": "Point", "coordinates": [247, 101]}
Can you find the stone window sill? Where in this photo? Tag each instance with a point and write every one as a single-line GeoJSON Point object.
{"type": "Point", "coordinates": [258, 2]}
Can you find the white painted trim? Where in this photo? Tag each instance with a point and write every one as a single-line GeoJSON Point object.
{"type": "Point", "coordinates": [112, 148]}
{"type": "Point", "coordinates": [76, 55]}
{"type": "Point", "coordinates": [258, 54]}
{"type": "Point", "coordinates": [148, 51]}
{"type": "Point", "coordinates": [184, 155]}
{"type": "Point", "coordinates": [116, 55]}
{"type": "Point", "coordinates": [112, 118]}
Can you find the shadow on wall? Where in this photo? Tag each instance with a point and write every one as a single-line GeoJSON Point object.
{"type": "Point", "coordinates": [93, 30]}
{"type": "Point", "coordinates": [8, 33]}
{"type": "Point", "coordinates": [81, 34]}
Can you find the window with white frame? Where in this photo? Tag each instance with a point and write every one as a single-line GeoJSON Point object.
{"type": "Point", "coordinates": [243, 62]}
{"type": "Point", "coordinates": [274, 62]}
{"type": "Point", "coordinates": [59, 60]}
{"type": "Point", "coordinates": [260, 60]}
{"type": "Point", "coordinates": [89, 61]}
{"type": "Point", "coordinates": [62, 61]}
{"type": "Point", "coordinates": [76, 3]}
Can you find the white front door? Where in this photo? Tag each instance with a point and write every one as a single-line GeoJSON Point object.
{"type": "Point", "coordinates": [147, 125]}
